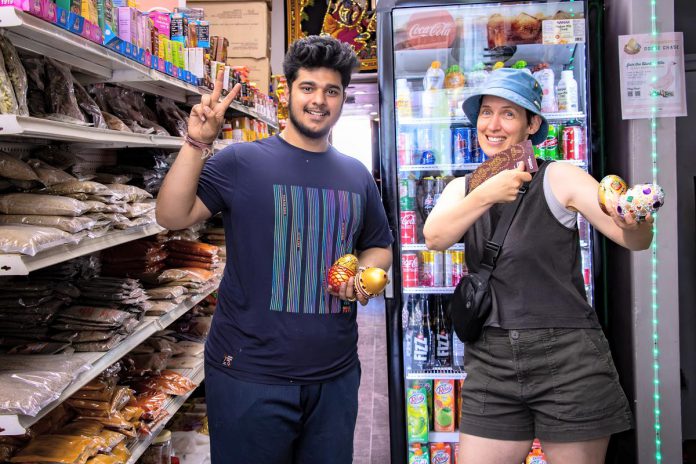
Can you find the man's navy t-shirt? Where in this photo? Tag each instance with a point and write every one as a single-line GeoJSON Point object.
{"type": "Point", "coordinates": [288, 215]}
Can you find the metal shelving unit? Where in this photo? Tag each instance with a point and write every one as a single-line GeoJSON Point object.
{"type": "Point", "coordinates": [17, 424]}
{"type": "Point", "coordinates": [16, 264]}
{"type": "Point", "coordinates": [138, 447]}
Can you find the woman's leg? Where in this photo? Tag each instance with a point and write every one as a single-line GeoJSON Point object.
{"type": "Point", "coordinates": [489, 451]}
{"type": "Point", "coordinates": [582, 452]}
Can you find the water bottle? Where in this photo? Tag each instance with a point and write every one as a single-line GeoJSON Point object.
{"type": "Point", "coordinates": [434, 103]}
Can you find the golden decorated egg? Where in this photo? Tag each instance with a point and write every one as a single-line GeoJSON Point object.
{"type": "Point", "coordinates": [371, 281]}
{"type": "Point", "coordinates": [611, 187]}
{"type": "Point", "coordinates": [348, 261]}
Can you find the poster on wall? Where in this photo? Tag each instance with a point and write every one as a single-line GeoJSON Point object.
{"type": "Point", "coordinates": [652, 75]}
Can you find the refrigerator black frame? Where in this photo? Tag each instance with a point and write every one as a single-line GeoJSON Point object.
{"type": "Point", "coordinates": [389, 177]}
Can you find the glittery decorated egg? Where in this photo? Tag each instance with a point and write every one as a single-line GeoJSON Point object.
{"type": "Point", "coordinates": [371, 281]}
{"type": "Point", "coordinates": [641, 200]}
{"type": "Point", "coordinates": [341, 271]}
{"type": "Point", "coordinates": [611, 187]}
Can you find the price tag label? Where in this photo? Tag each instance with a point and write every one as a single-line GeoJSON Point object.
{"type": "Point", "coordinates": [563, 31]}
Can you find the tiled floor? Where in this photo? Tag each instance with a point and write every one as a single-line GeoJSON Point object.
{"type": "Point", "coordinates": [372, 430]}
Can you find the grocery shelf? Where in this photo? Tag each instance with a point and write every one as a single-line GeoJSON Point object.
{"type": "Point", "coordinates": [138, 447]}
{"type": "Point", "coordinates": [44, 38]}
{"type": "Point", "coordinates": [423, 247]}
{"type": "Point", "coordinates": [17, 424]}
{"type": "Point", "coordinates": [96, 62]}
{"type": "Point", "coordinates": [436, 373]}
{"type": "Point", "coordinates": [37, 128]}
{"type": "Point", "coordinates": [443, 437]}
{"type": "Point", "coordinates": [428, 290]}
{"type": "Point", "coordinates": [438, 167]}
{"type": "Point", "coordinates": [16, 264]}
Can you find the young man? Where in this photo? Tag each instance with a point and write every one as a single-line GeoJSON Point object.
{"type": "Point", "coordinates": [282, 371]}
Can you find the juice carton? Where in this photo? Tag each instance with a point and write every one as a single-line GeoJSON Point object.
{"type": "Point", "coordinates": [443, 415]}
{"type": "Point", "coordinates": [457, 413]}
{"type": "Point", "coordinates": [427, 385]}
{"type": "Point", "coordinates": [440, 453]}
{"type": "Point", "coordinates": [418, 454]}
{"type": "Point", "coordinates": [455, 452]}
{"type": "Point", "coordinates": [536, 456]}
{"type": "Point", "coordinates": [417, 415]}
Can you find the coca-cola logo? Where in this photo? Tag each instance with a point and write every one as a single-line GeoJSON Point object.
{"type": "Point", "coordinates": [408, 220]}
{"type": "Point", "coordinates": [443, 389]}
{"type": "Point", "coordinates": [416, 398]}
{"type": "Point", "coordinates": [430, 30]}
{"type": "Point", "coordinates": [440, 457]}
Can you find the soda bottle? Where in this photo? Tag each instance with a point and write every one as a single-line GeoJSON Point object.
{"type": "Point", "coordinates": [403, 99]}
{"type": "Point", "coordinates": [439, 187]}
{"type": "Point", "coordinates": [421, 336]}
{"type": "Point", "coordinates": [428, 326]}
{"type": "Point", "coordinates": [428, 196]}
{"type": "Point", "coordinates": [433, 101]}
{"type": "Point", "coordinates": [407, 193]}
{"type": "Point", "coordinates": [407, 324]}
{"type": "Point", "coordinates": [536, 456]}
{"type": "Point", "coordinates": [443, 335]}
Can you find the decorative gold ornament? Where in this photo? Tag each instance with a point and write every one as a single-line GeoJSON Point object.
{"type": "Point", "coordinates": [370, 282]}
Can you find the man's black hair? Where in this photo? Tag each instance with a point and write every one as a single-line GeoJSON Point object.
{"type": "Point", "coordinates": [318, 51]}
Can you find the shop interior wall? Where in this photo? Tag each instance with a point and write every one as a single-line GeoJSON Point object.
{"type": "Point", "coordinates": [685, 18]}
{"type": "Point", "coordinates": [628, 148]}
{"type": "Point", "coordinates": [278, 25]}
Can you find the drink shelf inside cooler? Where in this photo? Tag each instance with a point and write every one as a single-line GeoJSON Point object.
{"type": "Point", "coordinates": [423, 247]}
{"type": "Point", "coordinates": [428, 290]}
{"type": "Point", "coordinates": [438, 167]}
{"type": "Point", "coordinates": [413, 63]}
{"type": "Point", "coordinates": [443, 437]}
{"type": "Point", "coordinates": [436, 373]}
{"type": "Point", "coordinates": [463, 120]}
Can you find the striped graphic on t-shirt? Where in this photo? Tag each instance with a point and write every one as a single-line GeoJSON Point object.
{"type": "Point", "coordinates": [313, 227]}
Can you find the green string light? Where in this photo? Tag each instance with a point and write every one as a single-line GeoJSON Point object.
{"type": "Point", "coordinates": [655, 306]}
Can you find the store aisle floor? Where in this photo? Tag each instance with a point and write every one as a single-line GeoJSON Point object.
{"type": "Point", "coordinates": [372, 430]}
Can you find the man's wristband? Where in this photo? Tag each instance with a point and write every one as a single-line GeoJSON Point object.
{"type": "Point", "coordinates": [206, 148]}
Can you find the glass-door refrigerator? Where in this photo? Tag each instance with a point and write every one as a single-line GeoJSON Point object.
{"type": "Point", "coordinates": [432, 55]}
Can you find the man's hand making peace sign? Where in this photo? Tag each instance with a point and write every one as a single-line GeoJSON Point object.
{"type": "Point", "coordinates": [207, 116]}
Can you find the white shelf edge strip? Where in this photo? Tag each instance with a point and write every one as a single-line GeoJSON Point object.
{"type": "Point", "coordinates": [424, 247]}
{"type": "Point", "coordinates": [15, 264]}
{"type": "Point", "coordinates": [443, 437]}
{"type": "Point", "coordinates": [102, 360]}
{"type": "Point", "coordinates": [173, 405]}
{"type": "Point", "coordinates": [435, 375]}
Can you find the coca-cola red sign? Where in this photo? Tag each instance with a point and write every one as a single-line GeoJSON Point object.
{"type": "Point", "coordinates": [435, 29]}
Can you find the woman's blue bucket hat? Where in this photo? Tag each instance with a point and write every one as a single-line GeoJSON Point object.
{"type": "Point", "coordinates": [514, 85]}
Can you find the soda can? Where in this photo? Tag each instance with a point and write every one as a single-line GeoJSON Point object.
{"type": "Point", "coordinates": [574, 143]}
{"type": "Point", "coordinates": [427, 269]}
{"type": "Point", "coordinates": [427, 157]}
{"type": "Point", "coordinates": [409, 269]}
{"type": "Point", "coordinates": [405, 146]}
{"type": "Point", "coordinates": [550, 146]}
{"type": "Point", "coordinates": [407, 194]}
{"type": "Point", "coordinates": [454, 267]}
{"type": "Point", "coordinates": [461, 145]}
{"type": "Point", "coordinates": [407, 225]}
{"type": "Point", "coordinates": [438, 268]}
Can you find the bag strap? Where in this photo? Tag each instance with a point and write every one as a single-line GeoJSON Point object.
{"type": "Point", "coordinates": [493, 246]}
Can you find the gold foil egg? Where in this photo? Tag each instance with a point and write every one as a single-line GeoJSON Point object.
{"type": "Point", "coordinates": [348, 261]}
{"type": "Point", "coordinates": [611, 187]}
{"type": "Point", "coordinates": [371, 281]}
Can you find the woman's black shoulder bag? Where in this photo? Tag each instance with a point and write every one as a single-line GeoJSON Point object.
{"type": "Point", "coordinates": [471, 303]}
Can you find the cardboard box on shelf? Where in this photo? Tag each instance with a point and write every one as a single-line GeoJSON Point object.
{"type": "Point", "coordinates": [259, 70]}
{"type": "Point", "coordinates": [245, 24]}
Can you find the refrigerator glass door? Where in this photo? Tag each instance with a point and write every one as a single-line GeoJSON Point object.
{"type": "Point", "coordinates": [441, 56]}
